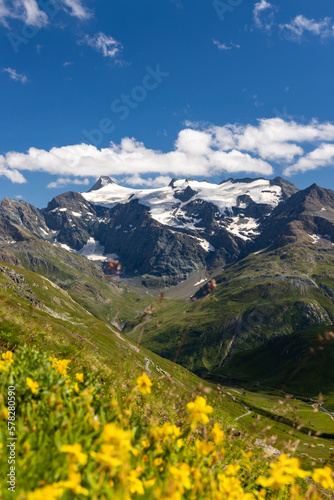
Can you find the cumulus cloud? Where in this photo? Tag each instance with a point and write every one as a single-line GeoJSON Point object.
{"type": "Point", "coordinates": [263, 15]}
{"type": "Point", "coordinates": [103, 43]}
{"type": "Point", "coordinates": [12, 174]}
{"type": "Point", "coordinates": [137, 180]}
{"type": "Point", "coordinates": [14, 75]}
{"type": "Point", "coordinates": [301, 25]}
{"type": "Point", "coordinates": [28, 11]}
{"type": "Point", "coordinates": [198, 152]}
{"type": "Point", "coordinates": [64, 181]}
{"type": "Point", "coordinates": [273, 139]}
{"type": "Point", "coordinates": [193, 155]}
{"type": "Point", "coordinates": [224, 46]}
{"type": "Point", "coordinates": [320, 157]}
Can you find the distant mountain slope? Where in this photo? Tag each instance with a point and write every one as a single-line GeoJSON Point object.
{"type": "Point", "coordinates": [267, 294]}
{"type": "Point", "coordinates": [301, 363]}
{"type": "Point", "coordinates": [83, 280]}
{"type": "Point", "coordinates": [306, 215]}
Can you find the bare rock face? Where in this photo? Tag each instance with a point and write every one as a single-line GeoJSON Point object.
{"type": "Point", "coordinates": [18, 284]}
{"type": "Point", "coordinates": [307, 216]}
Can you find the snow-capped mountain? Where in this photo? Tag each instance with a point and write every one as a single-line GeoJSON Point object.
{"type": "Point", "coordinates": [174, 204]}
{"type": "Point", "coordinates": [168, 234]}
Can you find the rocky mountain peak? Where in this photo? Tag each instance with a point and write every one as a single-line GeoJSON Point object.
{"type": "Point", "coordinates": [102, 181]}
{"type": "Point", "coordinates": [288, 189]}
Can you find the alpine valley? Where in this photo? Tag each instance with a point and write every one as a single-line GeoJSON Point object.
{"type": "Point", "coordinates": [233, 281]}
{"type": "Point", "coordinates": [269, 245]}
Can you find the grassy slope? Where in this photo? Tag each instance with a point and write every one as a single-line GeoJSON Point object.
{"type": "Point", "coordinates": [265, 295]}
{"type": "Point", "coordinates": [82, 279]}
{"type": "Point", "coordinates": [53, 327]}
{"type": "Point", "coordinates": [298, 363]}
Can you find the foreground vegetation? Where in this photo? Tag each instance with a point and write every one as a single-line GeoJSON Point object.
{"type": "Point", "coordinates": [61, 403]}
{"type": "Point", "coordinates": [80, 438]}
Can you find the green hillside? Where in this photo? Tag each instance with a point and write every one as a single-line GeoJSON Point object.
{"type": "Point", "coordinates": [35, 311]}
{"type": "Point", "coordinates": [301, 363]}
{"type": "Point", "coordinates": [268, 294]}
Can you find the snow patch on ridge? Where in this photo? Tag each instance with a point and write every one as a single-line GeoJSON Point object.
{"type": "Point", "coordinates": [243, 228]}
{"type": "Point", "coordinates": [94, 251]}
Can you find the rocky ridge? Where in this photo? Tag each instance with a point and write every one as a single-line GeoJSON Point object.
{"type": "Point", "coordinates": [192, 227]}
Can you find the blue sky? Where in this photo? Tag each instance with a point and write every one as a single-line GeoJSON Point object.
{"type": "Point", "coordinates": [146, 91]}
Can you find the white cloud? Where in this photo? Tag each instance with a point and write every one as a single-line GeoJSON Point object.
{"type": "Point", "coordinates": [105, 44]}
{"type": "Point", "coordinates": [64, 181]}
{"type": "Point", "coordinates": [273, 139]}
{"type": "Point", "coordinates": [28, 11]}
{"type": "Point", "coordinates": [320, 157]}
{"type": "Point", "coordinates": [137, 180]}
{"type": "Point", "coordinates": [14, 75]}
{"type": "Point", "coordinates": [224, 46]}
{"type": "Point", "coordinates": [193, 155]}
{"type": "Point", "coordinates": [198, 152]}
{"type": "Point", "coordinates": [76, 9]}
{"type": "Point", "coordinates": [11, 174]}
{"type": "Point", "coordinates": [34, 15]}
{"type": "Point", "coordinates": [263, 15]}
{"type": "Point", "coordinates": [19, 197]}
{"type": "Point", "coordinates": [300, 25]}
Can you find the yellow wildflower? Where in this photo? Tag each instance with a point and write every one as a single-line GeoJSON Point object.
{"type": "Point", "coordinates": [113, 434]}
{"type": "Point", "coordinates": [217, 434]}
{"type": "Point", "coordinates": [60, 365]}
{"type": "Point", "coordinates": [231, 487]}
{"type": "Point", "coordinates": [198, 411]}
{"type": "Point", "coordinates": [232, 470]}
{"type": "Point", "coordinates": [32, 385]}
{"type": "Point", "coordinates": [49, 492]}
{"type": "Point", "coordinates": [79, 377]}
{"type": "Point", "coordinates": [76, 387]}
{"type": "Point", "coordinates": [73, 484]}
{"type": "Point", "coordinates": [4, 414]}
{"type": "Point", "coordinates": [204, 448]}
{"type": "Point", "coordinates": [170, 430]}
{"type": "Point", "coordinates": [285, 471]}
{"type": "Point", "coordinates": [149, 483]}
{"type": "Point", "coordinates": [324, 477]}
{"type": "Point", "coordinates": [135, 484]}
{"type": "Point", "coordinates": [180, 443]}
{"type": "Point", "coordinates": [107, 456]}
{"type": "Point", "coordinates": [116, 446]}
{"type": "Point", "coordinates": [6, 360]}
{"type": "Point", "coordinates": [157, 433]}
{"type": "Point", "coordinates": [75, 451]}
{"type": "Point", "coordinates": [144, 384]}
{"type": "Point", "coordinates": [7, 357]}
{"type": "Point", "coordinates": [181, 475]}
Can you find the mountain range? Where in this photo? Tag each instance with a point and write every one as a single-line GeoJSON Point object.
{"type": "Point", "coordinates": [191, 226]}
{"type": "Point", "coordinates": [268, 244]}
